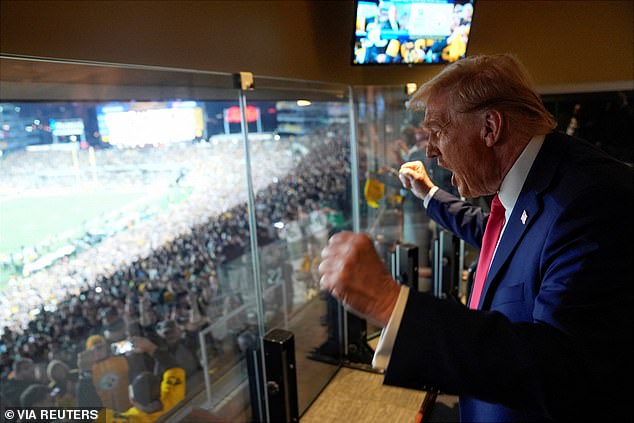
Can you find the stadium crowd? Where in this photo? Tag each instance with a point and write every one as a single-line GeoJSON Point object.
{"type": "Point", "coordinates": [112, 167]}
{"type": "Point", "coordinates": [214, 172]}
{"type": "Point", "coordinates": [158, 283]}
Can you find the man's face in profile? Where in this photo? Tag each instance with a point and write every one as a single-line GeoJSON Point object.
{"type": "Point", "coordinates": [456, 141]}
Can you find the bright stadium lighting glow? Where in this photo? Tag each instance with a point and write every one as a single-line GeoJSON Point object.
{"type": "Point", "coordinates": [303, 103]}
{"type": "Point", "coordinates": [142, 124]}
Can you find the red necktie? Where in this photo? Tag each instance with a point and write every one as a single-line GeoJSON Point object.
{"type": "Point", "coordinates": [492, 233]}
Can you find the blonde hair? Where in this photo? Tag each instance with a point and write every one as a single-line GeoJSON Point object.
{"type": "Point", "coordinates": [490, 82]}
{"type": "Point", "coordinates": [94, 340]}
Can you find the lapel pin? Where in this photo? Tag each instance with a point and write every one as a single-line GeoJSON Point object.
{"type": "Point", "coordinates": [524, 217]}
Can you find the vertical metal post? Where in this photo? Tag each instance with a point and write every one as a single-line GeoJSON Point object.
{"type": "Point", "coordinates": [285, 300]}
{"type": "Point", "coordinates": [438, 251]}
{"type": "Point", "coordinates": [461, 266]}
{"type": "Point", "coordinates": [254, 240]}
{"type": "Point", "coordinates": [205, 363]}
{"type": "Point", "coordinates": [258, 388]}
{"type": "Point", "coordinates": [441, 263]}
{"type": "Point", "coordinates": [225, 122]}
{"type": "Point", "coordinates": [356, 215]}
{"type": "Point", "coordinates": [354, 164]}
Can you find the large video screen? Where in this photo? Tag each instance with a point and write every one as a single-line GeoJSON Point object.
{"type": "Point", "coordinates": [149, 123]}
{"type": "Point", "coordinates": [411, 31]}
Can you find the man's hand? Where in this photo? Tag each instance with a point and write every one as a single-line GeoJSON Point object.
{"type": "Point", "coordinates": [352, 271]}
{"type": "Point", "coordinates": [85, 360]}
{"type": "Point", "coordinates": [142, 344]}
{"type": "Point", "coordinates": [414, 177]}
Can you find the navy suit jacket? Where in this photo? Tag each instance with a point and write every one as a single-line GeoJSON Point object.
{"type": "Point", "coordinates": [553, 336]}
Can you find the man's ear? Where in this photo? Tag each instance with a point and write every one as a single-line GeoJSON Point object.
{"type": "Point", "coordinates": [492, 128]}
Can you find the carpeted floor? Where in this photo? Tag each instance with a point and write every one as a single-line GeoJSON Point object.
{"type": "Point", "coordinates": [361, 397]}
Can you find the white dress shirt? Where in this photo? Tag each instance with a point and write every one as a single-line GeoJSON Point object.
{"type": "Point", "coordinates": [508, 194]}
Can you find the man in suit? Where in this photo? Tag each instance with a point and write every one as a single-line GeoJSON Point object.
{"type": "Point", "coordinates": [547, 334]}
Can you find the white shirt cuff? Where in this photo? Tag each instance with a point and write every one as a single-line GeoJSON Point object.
{"type": "Point", "coordinates": [388, 335]}
{"type": "Point", "coordinates": [429, 195]}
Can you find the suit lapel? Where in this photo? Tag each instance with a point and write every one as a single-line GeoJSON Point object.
{"type": "Point", "coordinates": [527, 208]}
{"type": "Point", "coordinates": [512, 236]}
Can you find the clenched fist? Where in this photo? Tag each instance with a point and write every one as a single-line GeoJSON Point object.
{"type": "Point", "coordinates": [414, 177]}
{"type": "Point", "coordinates": [352, 271]}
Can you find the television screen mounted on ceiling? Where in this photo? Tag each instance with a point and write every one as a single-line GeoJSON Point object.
{"type": "Point", "coordinates": [411, 31]}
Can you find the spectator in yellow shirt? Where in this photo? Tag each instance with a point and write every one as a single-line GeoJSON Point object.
{"type": "Point", "coordinates": [152, 398]}
{"type": "Point", "coordinates": [150, 395]}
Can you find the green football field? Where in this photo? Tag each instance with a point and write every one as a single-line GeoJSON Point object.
{"type": "Point", "coordinates": [30, 221]}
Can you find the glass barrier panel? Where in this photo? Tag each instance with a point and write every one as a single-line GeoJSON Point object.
{"type": "Point", "coordinates": [389, 135]}
{"type": "Point", "coordinates": [302, 197]}
{"type": "Point", "coordinates": [386, 134]}
{"type": "Point", "coordinates": [124, 251]}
